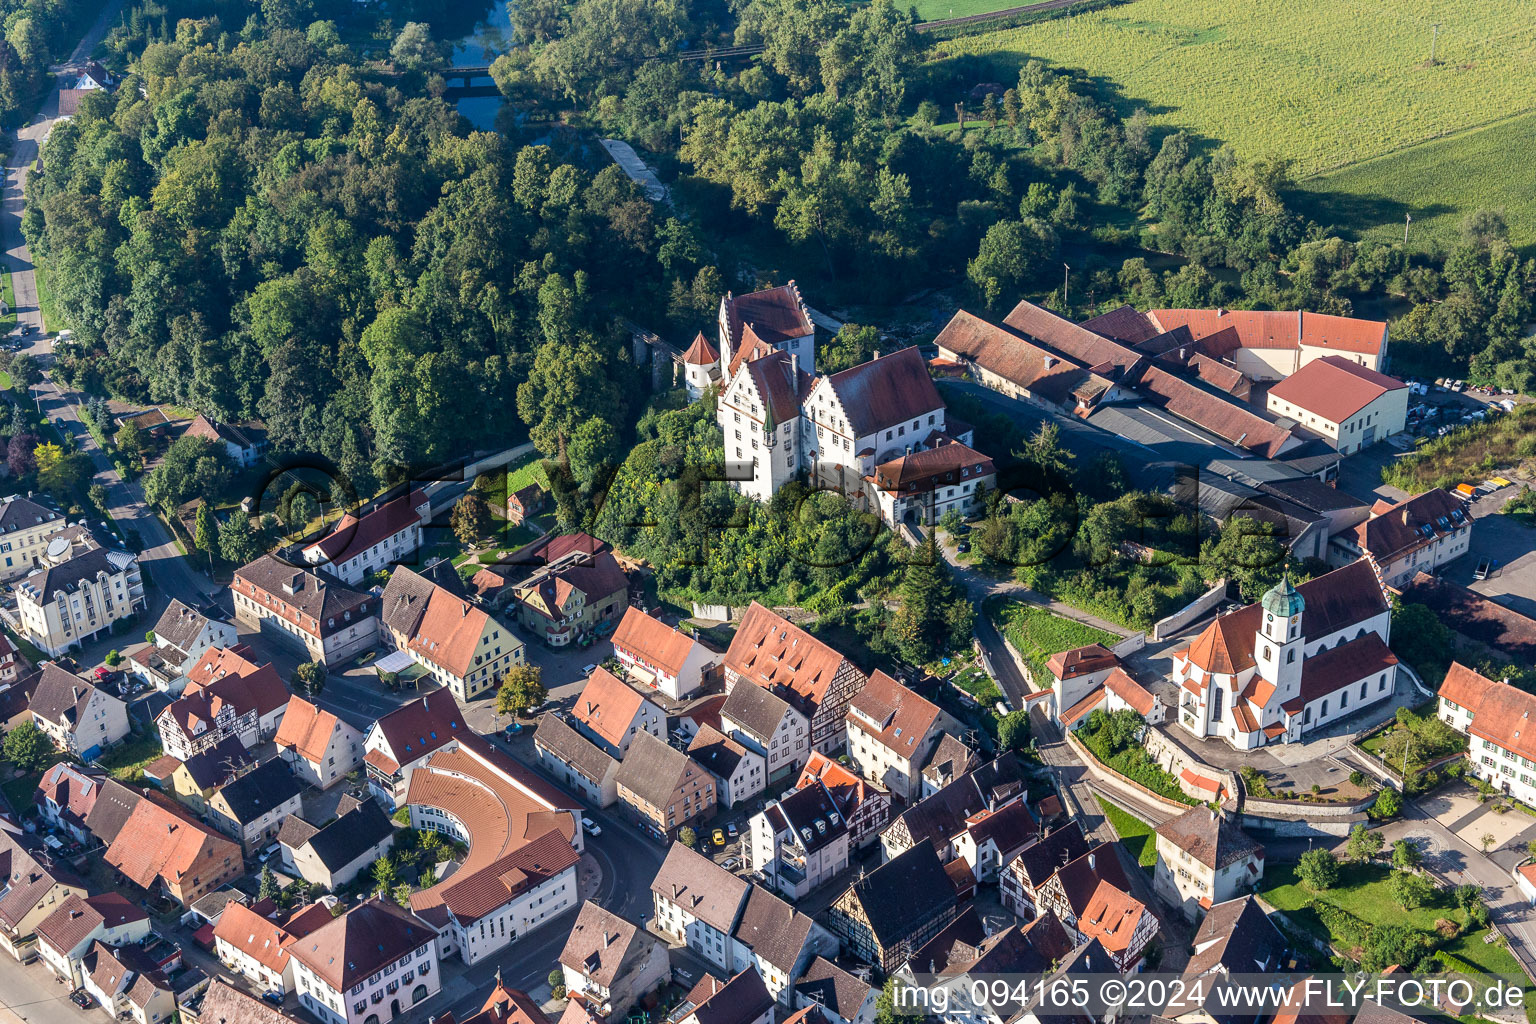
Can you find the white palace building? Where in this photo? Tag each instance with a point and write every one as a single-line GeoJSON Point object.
{"type": "Point", "coordinates": [1300, 658]}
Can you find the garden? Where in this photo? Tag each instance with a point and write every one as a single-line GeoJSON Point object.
{"type": "Point", "coordinates": [1037, 633]}
{"type": "Point", "coordinates": [1378, 916]}
{"type": "Point", "coordinates": [1411, 743]}
{"type": "Point", "coordinates": [1115, 740]}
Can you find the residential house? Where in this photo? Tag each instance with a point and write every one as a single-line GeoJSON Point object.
{"type": "Point", "coordinates": [740, 773]}
{"type": "Point", "coordinates": [458, 643]}
{"type": "Point", "coordinates": [333, 854]}
{"type": "Point", "coordinates": [222, 1003]}
{"type": "Point", "coordinates": [244, 443]}
{"type": "Point", "coordinates": [525, 502]}
{"type": "Point", "coordinates": [310, 611]}
{"type": "Point", "coordinates": [864, 806]}
{"type": "Point", "coordinates": [251, 809]}
{"type": "Point", "coordinates": [742, 1000]}
{"type": "Point", "coordinates": [227, 696]}
{"type": "Point", "coordinates": [891, 732]}
{"type": "Point", "coordinates": [1301, 658]}
{"type": "Point", "coordinates": [183, 634]}
{"type": "Point", "coordinates": [580, 590]}
{"type": "Point", "coordinates": [513, 1006]}
{"type": "Point", "coordinates": [363, 544]}
{"type": "Point", "coordinates": [375, 961]}
{"type": "Point", "coordinates": [255, 945]}
{"type": "Point", "coordinates": [1204, 859]}
{"type": "Point", "coordinates": [1092, 898]}
{"type": "Point", "coordinates": [1404, 539]}
{"type": "Point", "coordinates": [886, 915]}
{"type": "Point", "coordinates": [816, 680]}
{"type": "Point", "coordinates": [576, 761]}
{"type": "Point", "coordinates": [127, 983]}
{"type": "Point", "coordinates": [65, 795]}
{"type": "Point", "coordinates": [923, 487]}
{"type": "Point", "coordinates": [777, 941]}
{"type": "Point", "coordinates": [610, 964]}
{"type": "Point", "coordinates": [1236, 938]}
{"type": "Point", "coordinates": [698, 904]}
{"type": "Point", "coordinates": [611, 714]}
{"type": "Point", "coordinates": [33, 888]}
{"type": "Point", "coordinates": [66, 935]}
{"type": "Point", "coordinates": [663, 787]}
{"type": "Point", "coordinates": [79, 718]}
{"type": "Point", "coordinates": [402, 740]}
{"type": "Point", "coordinates": [1493, 715]}
{"type": "Point", "coordinates": [843, 998]}
{"type": "Point", "coordinates": [161, 845]}
{"type": "Point", "coordinates": [993, 837]}
{"type": "Point", "coordinates": [11, 666]}
{"type": "Point", "coordinates": [1090, 678]}
{"type": "Point", "coordinates": [318, 747]}
{"type": "Point", "coordinates": [658, 656]}
{"type": "Point", "coordinates": [1351, 405]}
{"type": "Point", "coordinates": [77, 592]}
{"type": "Point", "coordinates": [956, 965]}
{"type": "Point", "coordinates": [25, 527]}
{"type": "Point", "coordinates": [1274, 345]}
{"type": "Point", "coordinates": [798, 841]}
{"type": "Point", "coordinates": [765, 723]}
{"type": "Point", "coordinates": [1023, 876]}
{"type": "Point", "coordinates": [194, 781]}
{"type": "Point", "coordinates": [940, 818]}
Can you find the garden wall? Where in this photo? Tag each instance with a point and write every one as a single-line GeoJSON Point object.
{"type": "Point", "coordinates": [1295, 827]}
{"type": "Point", "coordinates": [1292, 808]}
{"type": "Point", "coordinates": [1117, 783]}
{"type": "Point", "coordinates": [1164, 628]}
{"type": "Point", "coordinates": [1176, 761]}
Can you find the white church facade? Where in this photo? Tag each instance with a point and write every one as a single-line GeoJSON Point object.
{"type": "Point", "coordinates": [1301, 658]}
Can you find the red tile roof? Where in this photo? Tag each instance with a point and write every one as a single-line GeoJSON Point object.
{"type": "Point", "coordinates": [607, 705]}
{"type": "Point", "coordinates": [1334, 388]}
{"type": "Point", "coordinates": [353, 536]}
{"type": "Point", "coordinates": [701, 352]}
{"type": "Point", "coordinates": [450, 632]}
{"type": "Point", "coordinates": [306, 729]}
{"type": "Point", "coordinates": [472, 895]}
{"type": "Point", "coordinates": [1465, 687]}
{"type": "Point", "coordinates": [1083, 707]}
{"type": "Point", "coordinates": [1071, 340]}
{"type": "Point", "coordinates": [164, 843]}
{"type": "Point", "coordinates": [416, 729]}
{"type": "Point", "coordinates": [885, 391]}
{"type": "Point", "coordinates": [1393, 531]}
{"type": "Point", "coordinates": [1081, 661]}
{"type": "Point", "coordinates": [77, 917]}
{"type": "Point", "coordinates": [361, 942]}
{"type": "Point", "coordinates": [1228, 420]}
{"type": "Point", "coordinates": [1287, 330]}
{"type": "Point", "coordinates": [995, 350]}
{"type": "Point", "coordinates": [1111, 917]}
{"type": "Point", "coordinates": [1501, 713]}
{"type": "Point", "coordinates": [1130, 691]}
{"type": "Point", "coordinates": [893, 715]}
{"type": "Point", "coordinates": [316, 603]}
{"type": "Point", "coordinates": [1338, 667]}
{"type": "Point", "coordinates": [773, 652]}
{"type": "Point", "coordinates": [932, 468]}
{"type": "Point", "coordinates": [776, 315]}
{"type": "Point", "coordinates": [1123, 324]}
{"type": "Point", "coordinates": [652, 641]}
{"type": "Point", "coordinates": [264, 940]}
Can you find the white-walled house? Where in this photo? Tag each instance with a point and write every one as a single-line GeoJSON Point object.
{"type": "Point", "coordinates": [1404, 539]}
{"type": "Point", "coordinates": [360, 546]}
{"type": "Point", "coordinates": [767, 724]}
{"type": "Point", "coordinates": [182, 634]}
{"type": "Point", "coordinates": [79, 718]}
{"type": "Point", "coordinates": [740, 772]}
{"type": "Point", "coordinates": [656, 655]}
{"type": "Point", "coordinates": [610, 713]}
{"type": "Point", "coordinates": [1204, 859]}
{"type": "Point", "coordinates": [697, 903]}
{"type": "Point", "coordinates": [375, 961]}
{"type": "Point", "coordinates": [319, 747]}
{"type": "Point", "coordinates": [64, 936]}
{"type": "Point", "coordinates": [799, 841]}
{"type": "Point", "coordinates": [1495, 717]}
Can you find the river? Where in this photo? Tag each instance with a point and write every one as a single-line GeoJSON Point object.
{"type": "Point", "coordinates": [490, 37]}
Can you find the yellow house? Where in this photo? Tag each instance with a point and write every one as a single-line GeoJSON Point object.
{"type": "Point", "coordinates": [25, 527]}
{"type": "Point", "coordinates": [194, 781]}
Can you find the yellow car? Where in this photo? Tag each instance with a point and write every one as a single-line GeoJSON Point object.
{"type": "Point", "coordinates": [719, 837]}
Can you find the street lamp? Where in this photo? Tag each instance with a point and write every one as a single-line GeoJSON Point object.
{"type": "Point", "coordinates": [1066, 303]}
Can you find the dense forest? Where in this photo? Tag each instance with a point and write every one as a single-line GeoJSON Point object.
{"type": "Point", "coordinates": [37, 33]}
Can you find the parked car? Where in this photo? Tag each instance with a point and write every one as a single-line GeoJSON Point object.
{"type": "Point", "coordinates": [730, 830]}
{"type": "Point", "coordinates": [275, 998]}
{"type": "Point", "coordinates": [513, 729]}
{"type": "Point", "coordinates": [587, 670]}
{"type": "Point", "coordinates": [80, 999]}
{"type": "Point", "coordinates": [591, 827]}
{"type": "Point", "coordinates": [1481, 572]}
{"type": "Point", "coordinates": [730, 864]}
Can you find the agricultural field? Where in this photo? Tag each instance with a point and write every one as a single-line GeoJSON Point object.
{"type": "Point", "coordinates": [937, 10]}
{"type": "Point", "coordinates": [1325, 86]}
{"type": "Point", "coordinates": [1439, 182]}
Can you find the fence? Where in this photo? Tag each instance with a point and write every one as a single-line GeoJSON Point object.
{"type": "Point", "coordinates": [1110, 779]}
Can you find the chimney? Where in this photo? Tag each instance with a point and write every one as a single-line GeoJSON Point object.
{"type": "Point", "coordinates": [1092, 863]}
{"type": "Point", "coordinates": [1050, 361]}
{"type": "Point", "coordinates": [794, 369]}
{"type": "Point", "coordinates": [1405, 517]}
{"type": "Point", "coordinates": [608, 938]}
{"type": "Point", "coordinates": [1213, 814]}
{"type": "Point", "coordinates": [74, 691]}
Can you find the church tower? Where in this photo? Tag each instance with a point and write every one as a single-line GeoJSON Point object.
{"type": "Point", "coordinates": [1279, 641]}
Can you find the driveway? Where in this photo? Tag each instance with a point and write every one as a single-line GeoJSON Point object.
{"type": "Point", "coordinates": [1507, 543]}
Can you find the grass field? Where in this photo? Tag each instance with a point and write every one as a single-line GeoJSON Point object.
{"type": "Point", "coordinates": [1323, 85]}
{"type": "Point", "coordinates": [7, 321]}
{"type": "Point", "coordinates": [1136, 835]}
{"type": "Point", "coordinates": [1038, 634]}
{"type": "Point", "coordinates": [1439, 182]}
{"type": "Point", "coordinates": [935, 10]}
